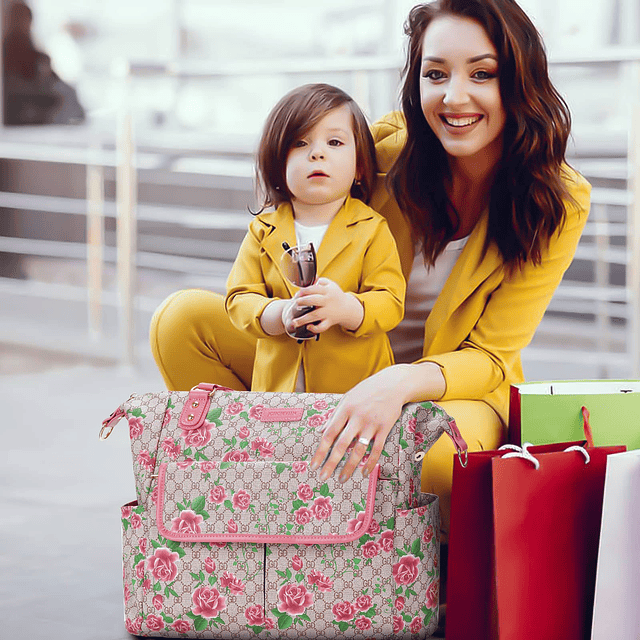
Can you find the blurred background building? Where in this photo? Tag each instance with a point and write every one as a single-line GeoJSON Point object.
{"type": "Point", "coordinates": [141, 183]}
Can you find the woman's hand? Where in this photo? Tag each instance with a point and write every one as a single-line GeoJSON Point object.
{"type": "Point", "coordinates": [369, 411]}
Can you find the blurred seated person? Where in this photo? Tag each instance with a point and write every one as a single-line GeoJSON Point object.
{"type": "Point", "coordinates": [33, 92]}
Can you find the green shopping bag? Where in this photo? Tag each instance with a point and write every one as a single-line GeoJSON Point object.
{"type": "Point", "coordinates": [550, 412]}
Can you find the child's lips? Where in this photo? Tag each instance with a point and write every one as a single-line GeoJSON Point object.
{"type": "Point", "coordinates": [317, 174]}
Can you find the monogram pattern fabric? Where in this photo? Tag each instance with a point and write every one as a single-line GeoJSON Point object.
{"type": "Point", "coordinates": [232, 535]}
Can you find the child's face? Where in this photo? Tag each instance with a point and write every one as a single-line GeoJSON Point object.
{"type": "Point", "coordinates": [321, 166]}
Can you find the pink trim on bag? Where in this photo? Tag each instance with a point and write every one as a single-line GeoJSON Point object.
{"type": "Point", "coordinates": [110, 423]}
{"type": "Point", "coordinates": [195, 409]}
{"type": "Point", "coordinates": [272, 539]}
{"type": "Point", "coordinates": [269, 414]}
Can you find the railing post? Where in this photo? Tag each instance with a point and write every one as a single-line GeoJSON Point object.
{"type": "Point", "coordinates": [126, 196]}
{"type": "Point", "coordinates": [95, 240]}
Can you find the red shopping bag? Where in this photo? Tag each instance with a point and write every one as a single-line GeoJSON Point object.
{"type": "Point", "coordinates": [524, 541]}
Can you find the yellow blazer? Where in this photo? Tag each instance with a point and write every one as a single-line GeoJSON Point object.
{"type": "Point", "coordinates": [483, 317]}
{"type": "Point", "coordinates": [359, 253]}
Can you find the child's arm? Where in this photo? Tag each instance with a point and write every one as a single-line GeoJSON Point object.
{"type": "Point", "coordinates": [250, 301]}
{"type": "Point", "coordinates": [380, 295]}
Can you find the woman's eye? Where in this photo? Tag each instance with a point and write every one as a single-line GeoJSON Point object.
{"type": "Point", "coordinates": [434, 74]}
{"type": "Point", "coordinates": [483, 75]}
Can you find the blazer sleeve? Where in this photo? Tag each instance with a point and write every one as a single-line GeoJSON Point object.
{"type": "Point", "coordinates": [513, 312]}
{"type": "Point", "coordinates": [247, 290]}
{"type": "Point", "coordinates": [382, 288]}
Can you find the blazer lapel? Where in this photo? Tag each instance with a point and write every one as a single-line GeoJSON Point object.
{"type": "Point", "coordinates": [280, 228]}
{"type": "Point", "coordinates": [469, 271]}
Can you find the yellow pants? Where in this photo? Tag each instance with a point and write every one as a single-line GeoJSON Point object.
{"type": "Point", "coordinates": [193, 341]}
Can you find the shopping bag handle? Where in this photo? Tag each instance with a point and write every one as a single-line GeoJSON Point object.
{"type": "Point", "coordinates": [586, 425]}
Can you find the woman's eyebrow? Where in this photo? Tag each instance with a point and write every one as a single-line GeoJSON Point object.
{"type": "Point", "coordinates": [482, 56]}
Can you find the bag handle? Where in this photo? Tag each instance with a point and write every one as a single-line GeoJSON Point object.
{"type": "Point", "coordinates": [451, 429]}
{"type": "Point", "coordinates": [586, 425]}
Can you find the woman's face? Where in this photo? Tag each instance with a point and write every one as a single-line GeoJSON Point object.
{"type": "Point", "coordinates": [459, 88]}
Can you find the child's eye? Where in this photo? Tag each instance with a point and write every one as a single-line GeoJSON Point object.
{"type": "Point", "coordinates": [334, 142]}
{"type": "Point", "coordinates": [299, 143]}
{"type": "Point", "coordinates": [434, 74]}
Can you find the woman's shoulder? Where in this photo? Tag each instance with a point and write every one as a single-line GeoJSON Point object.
{"type": "Point", "coordinates": [578, 188]}
{"type": "Point", "coordinates": [389, 135]}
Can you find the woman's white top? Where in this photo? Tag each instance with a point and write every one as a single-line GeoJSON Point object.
{"type": "Point", "coordinates": [424, 286]}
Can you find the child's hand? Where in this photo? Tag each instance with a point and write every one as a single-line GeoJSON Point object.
{"type": "Point", "coordinates": [333, 306]}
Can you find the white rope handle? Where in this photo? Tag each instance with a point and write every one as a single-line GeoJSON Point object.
{"type": "Point", "coordinates": [520, 452]}
{"type": "Point", "coordinates": [587, 457]}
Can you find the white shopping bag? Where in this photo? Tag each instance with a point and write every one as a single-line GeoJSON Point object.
{"type": "Point", "coordinates": [616, 612]}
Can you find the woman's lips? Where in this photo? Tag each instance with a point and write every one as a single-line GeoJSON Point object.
{"type": "Point", "coordinates": [460, 121]}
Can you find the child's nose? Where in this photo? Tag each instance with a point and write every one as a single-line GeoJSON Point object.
{"type": "Point", "coordinates": [316, 152]}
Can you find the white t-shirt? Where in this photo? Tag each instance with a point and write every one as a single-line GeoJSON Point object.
{"type": "Point", "coordinates": [424, 286]}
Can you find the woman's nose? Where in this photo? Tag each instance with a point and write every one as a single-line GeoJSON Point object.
{"type": "Point", "coordinates": [456, 92]}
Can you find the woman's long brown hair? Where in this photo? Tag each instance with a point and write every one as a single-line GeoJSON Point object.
{"type": "Point", "coordinates": [527, 203]}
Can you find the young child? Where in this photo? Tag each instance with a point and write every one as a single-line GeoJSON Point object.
{"type": "Point", "coordinates": [316, 164]}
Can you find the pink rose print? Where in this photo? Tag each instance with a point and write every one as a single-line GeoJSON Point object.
{"type": "Point", "coordinates": [146, 585]}
{"type": "Point", "coordinates": [208, 602]}
{"type": "Point", "coordinates": [209, 565]}
{"type": "Point", "coordinates": [135, 427]}
{"type": "Point", "coordinates": [399, 603]}
{"type": "Point", "coordinates": [398, 624]}
{"type": "Point", "coordinates": [296, 563]}
{"type": "Point", "coordinates": [157, 602]}
{"type": "Point", "coordinates": [255, 412]}
{"type": "Point", "coordinates": [316, 421]}
{"type": "Point", "coordinates": [220, 545]}
{"type": "Point", "coordinates": [263, 447]}
{"type": "Point", "coordinates": [185, 464]}
{"type": "Point", "coordinates": [386, 541]}
{"type": "Point", "coordinates": [154, 495]}
{"type": "Point", "coordinates": [322, 508]}
{"type": "Point", "coordinates": [187, 522]}
{"type": "Point", "coordinates": [370, 549]}
{"type": "Point", "coordinates": [230, 581]}
{"type": "Point", "coordinates": [232, 526]}
{"type": "Point", "coordinates": [134, 627]}
{"type": "Point", "coordinates": [154, 622]}
{"type": "Point", "coordinates": [126, 511]}
{"type": "Point", "coordinates": [294, 599]}
{"type": "Point", "coordinates": [140, 570]}
{"type": "Point", "coordinates": [435, 561]}
{"type": "Point", "coordinates": [432, 595]}
{"type": "Point", "coordinates": [217, 494]}
{"type": "Point", "coordinates": [328, 414]}
{"type": "Point", "coordinates": [405, 572]}
{"type": "Point", "coordinates": [402, 513]}
{"type": "Point", "coordinates": [299, 466]}
{"type": "Point", "coordinates": [374, 527]}
{"type": "Point", "coordinates": [197, 437]}
{"type": "Point", "coordinates": [320, 405]}
{"type": "Point", "coordinates": [427, 536]}
{"type": "Point", "coordinates": [208, 466]}
{"type": "Point", "coordinates": [127, 592]}
{"type": "Point", "coordinates": [162, 564]}
{"type": "Point", "coordinates": [269, 623]}
{"type": "Point", "coordinates": [241, 500]}
{"type": "Point", "coordinates": [244, 433]}
{"type": "Point", "coordinates": [234, 408]}
{"type": "Point", "coordinates": [235, 456]}
{"type": "Point", "coordinates": [171, 448]}
{"type": "Point", "coordinates": [303, 515]}
{"type": "Point", "coordinates": [363, 603]}
{"type": "Point", "coordinates": [305, 492]}
{"type": "Point", "coordinates": [142, 543]}
{"type": "Point", "coordinates": [344, 611]}
{"type": "Point", "coordinates": [356, 523]}
{"type": "Point", "coordinates": [422, 510]}
{"type": "Point", "coordinates": [146, 461]}
{"type": "Point", "coordinates": [363, 623]}
{"type": "Point", "coordinates": [167, 418]}
{"type": "Point", "coordinates": [320, 580]}
{"type": "Point", "coordinates": [136, 520]}
{"type": "Point", "coordinates": [254, 615]}
{"type": "Point", "coordinates": [416, 625]}
{"type": "Point", "coordinates": [419, 438]}
{"type": "Point", "coordinates": [181, 626]}
{"type": "Point", "coordinates": [411, 425]}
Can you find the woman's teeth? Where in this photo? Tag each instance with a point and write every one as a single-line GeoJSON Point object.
{"type": "Point", "coordinates": [461, 122]}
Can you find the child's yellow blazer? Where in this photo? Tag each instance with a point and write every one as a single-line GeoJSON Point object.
{"type": "Point", "coordinates": [359, 253]}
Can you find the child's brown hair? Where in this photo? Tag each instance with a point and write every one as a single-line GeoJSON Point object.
{"type": "Point", "coordinates": [296, 114]}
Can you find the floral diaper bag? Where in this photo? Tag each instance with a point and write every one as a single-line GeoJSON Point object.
{"type": "Point", "coordinates": [233, 536]}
